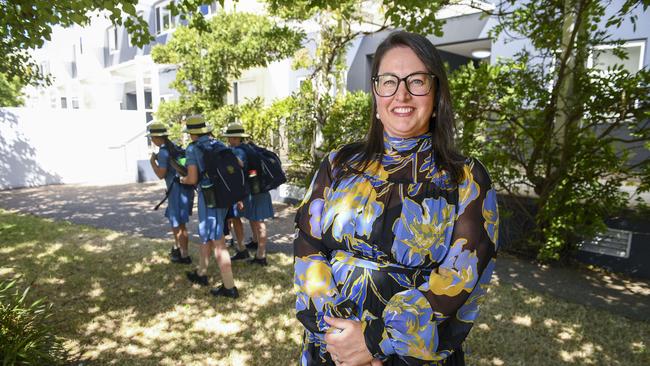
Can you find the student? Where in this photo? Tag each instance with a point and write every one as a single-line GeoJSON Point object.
{"type": "Point", "coordinates": [257, 207]}
{"type": "Point", "coordinates": [211, 220]}
{"type": "Point", "coordinates": [180, 197]}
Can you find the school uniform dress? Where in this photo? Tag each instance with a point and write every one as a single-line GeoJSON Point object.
{"type": "Point", "coordinates": [211, 220]}
{"type": "Point", "coordinates": [399, 247]}
{"type": "Point", "coordinates": [257, 207]}
{"type": "Point", "coordinates": [180, 200]}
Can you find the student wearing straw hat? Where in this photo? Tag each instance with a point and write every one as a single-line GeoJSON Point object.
{"type": "Point", "coordinates": [211, 220]}
{"type": "Point", "coordinates": [180, 197]}
{"type": "Point", "coordinates": [257, 207]}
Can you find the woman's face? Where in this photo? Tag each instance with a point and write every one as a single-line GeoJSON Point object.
{"type": "Point", "coordinates": [194, 137]}
{"type": "Point", "coordinates": [403, 114]}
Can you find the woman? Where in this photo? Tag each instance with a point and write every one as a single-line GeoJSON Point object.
{"type": "Point", "coordinates": [257, 208]}
{"type": "Point", "coordinates": [396, 237]}
{"type": "Point", "coordinates": [211, 220]}
{"type": "Point", "coordinates": [180, 197]}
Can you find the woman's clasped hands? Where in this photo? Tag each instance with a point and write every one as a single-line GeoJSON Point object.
{"type": "Point", "coordinates": [346, 343]}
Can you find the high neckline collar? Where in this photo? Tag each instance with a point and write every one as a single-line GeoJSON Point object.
{"type": "Point", "coordinates": [407, 144]}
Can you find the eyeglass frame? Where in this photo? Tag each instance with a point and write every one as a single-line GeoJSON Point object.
{"type": "Point", "coordinates": [375, 78]}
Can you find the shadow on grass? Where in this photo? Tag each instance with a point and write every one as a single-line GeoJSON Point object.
{"type": "Point", "coordinates": [119, 301]}
{"type": "Point", "coordinates": [521, 327]}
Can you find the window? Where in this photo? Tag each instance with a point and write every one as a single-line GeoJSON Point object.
{"type": "Point", "coordinates": [113, 44]}
{"type": "Point", "coordinates": [44, 67]}
{"type": "Point", "coordinates": [75, 102]}
{"type": "Point", "coordinates": [81, 46]}
{"type": "Point", "coordinates": [235, 92]}
{"type": "Point", "coordinates": [207, 9]}
{"type": "Point", "coordinates": [604, 57]}
{"type": "Point", "coordinates": [164, 19]}
{"type": "Point", "coordinates": [64, 102]}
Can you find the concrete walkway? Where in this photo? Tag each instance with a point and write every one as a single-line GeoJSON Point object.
{"type": "Point", "coordinates": [128, 208]}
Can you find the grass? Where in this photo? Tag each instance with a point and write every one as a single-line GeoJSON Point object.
{"type": "Point", "coordinates": [118, 302]}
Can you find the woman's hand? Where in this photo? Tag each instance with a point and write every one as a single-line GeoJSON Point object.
{"type": "Point", "coordinates": [348, 347]}
{"type": "Point", "coordinates": [240, 206]}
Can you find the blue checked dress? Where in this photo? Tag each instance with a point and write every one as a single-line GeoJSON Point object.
{"type": "Point", "coordinates": [400, 248]}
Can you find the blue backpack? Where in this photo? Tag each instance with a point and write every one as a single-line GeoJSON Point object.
{"type": "Point", "coordinates": [227, 178]}
{"type": "Point", "coordinates": [267, 165]}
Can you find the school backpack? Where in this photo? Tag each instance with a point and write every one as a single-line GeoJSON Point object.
{"type": "Point", "coordinates": [177, 157]}
{"type": "Point", "coordinates": [267, 167]}
{"type": "Point", "coordinates": [227, 178]}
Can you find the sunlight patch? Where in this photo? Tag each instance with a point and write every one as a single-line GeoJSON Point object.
{"type": "Point", "coordinates": [534, 300]}
{"type": "Point", "coordinates": [525, 320]}
{"type": "Point", "coordinates": [497, 361]}
{"type": "Point", "coordinates": [583, 354]}
{"type": "Point", "coordinates": [216, 325]}
{"type": "Point", "coordinates": [549, 323]}
{"type": "Point", "coordinates": [50, 280]}
{"type": "Point", "coordinates": [96, 249]}
{"type": "Point", "coordinates": [638, 347]}
{"type": "Point", "coordinates": [49, 250]}
{"type": "Point", "coordinates": [6, 270]}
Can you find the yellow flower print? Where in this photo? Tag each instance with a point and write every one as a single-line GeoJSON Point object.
{"type": "Point", "coordinates": [462, 276]}
{"type": "Point", "coordinates": [468, 191]}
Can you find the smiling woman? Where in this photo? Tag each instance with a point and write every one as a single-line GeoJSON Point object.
{"type": "Point", "coordinates": [397, 234]}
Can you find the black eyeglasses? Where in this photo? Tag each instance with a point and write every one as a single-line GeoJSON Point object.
{"type": "Point", "coordinates": [417, 83]}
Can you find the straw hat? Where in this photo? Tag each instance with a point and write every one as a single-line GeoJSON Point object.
{"type": "Point", "coordinates": [196, 125]}
{"type": "Point", "coordinates": [235, 129]}
{"type": "Point", "coordinates": [157, 129]}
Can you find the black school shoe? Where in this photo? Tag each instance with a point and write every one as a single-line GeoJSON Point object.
{"type": "Point", "coordinates": [174, 253]}
{"type": "Point", "coordinates": [195, 278]}
{"type": "Point", "coordinates": [181, 260]}
{"type": "Point", "coordinates": [240, 255]}
{"type": "Point", "coordinates": [226, 292]}
{"type": "Point", "coordinates": [260, 261]}
{"type": "Point", "coordinates": [251, 245]}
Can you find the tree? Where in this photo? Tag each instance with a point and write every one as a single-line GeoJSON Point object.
{"type": "Point", "coordinates": [548, 123]}
{"type": "Point", "coordinates": [10, 95]}
{"type": "Point", "coordinates": [209, 60]}
{"type": "Point", "coordinates": [27, 24]}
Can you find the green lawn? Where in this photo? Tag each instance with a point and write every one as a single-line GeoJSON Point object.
{"type": "Point", "coordinates": [118, 301]}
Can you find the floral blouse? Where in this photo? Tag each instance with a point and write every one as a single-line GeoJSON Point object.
{"type": "Point", "coordinates": [398, 247]}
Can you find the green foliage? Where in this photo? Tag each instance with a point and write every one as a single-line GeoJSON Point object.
{"type": "Point", "coordinates": [556, 129]}
{"type": "Point", "coordinates": [26, 338]}
{"type": "Point", "coordinates": [27, 24]}
{"type": "Point", "coordinates": [347, 117]}
{"type": "Point", "coordinates": [10, 91]}
{"type": "Point", "coordinates": [208, 60]}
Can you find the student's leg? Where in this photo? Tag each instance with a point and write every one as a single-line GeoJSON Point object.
{"type": "Point", "coordinates": [223, 261]}
{"type": "Point", "coordinates": [259, 228]}
{"type": "Point", "coordinates": [182, 238]}
{"type": "Point", "coordinates": [204, 259]}
{"type": "Point", "coordinates": [239, 233]}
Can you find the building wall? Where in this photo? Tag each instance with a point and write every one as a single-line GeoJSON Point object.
{"type": "Point", "coordinates": [83, 146]}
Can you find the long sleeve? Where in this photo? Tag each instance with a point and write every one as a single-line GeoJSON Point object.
{"type": "Point", "coordinates": [316, 290]}
{"type": "Point", "coordinates": [426, 324]}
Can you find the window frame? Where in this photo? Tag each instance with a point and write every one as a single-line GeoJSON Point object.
{"type": "Point", "coordinates": [160, 10]}
{"type": "Point", "coordinates": [626, 44]}
{"type": "Point", "coordinates": [115, 46]}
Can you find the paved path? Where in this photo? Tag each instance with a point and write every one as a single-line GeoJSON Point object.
{"type": "Point", "coordinates": [128, 208]}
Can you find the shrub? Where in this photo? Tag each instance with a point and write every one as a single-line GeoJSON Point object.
{"type": "Point", "coordinates": [26, 338]}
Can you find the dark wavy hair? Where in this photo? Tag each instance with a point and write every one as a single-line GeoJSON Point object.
{"type": "Point", "coordinates": [358, 155]}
